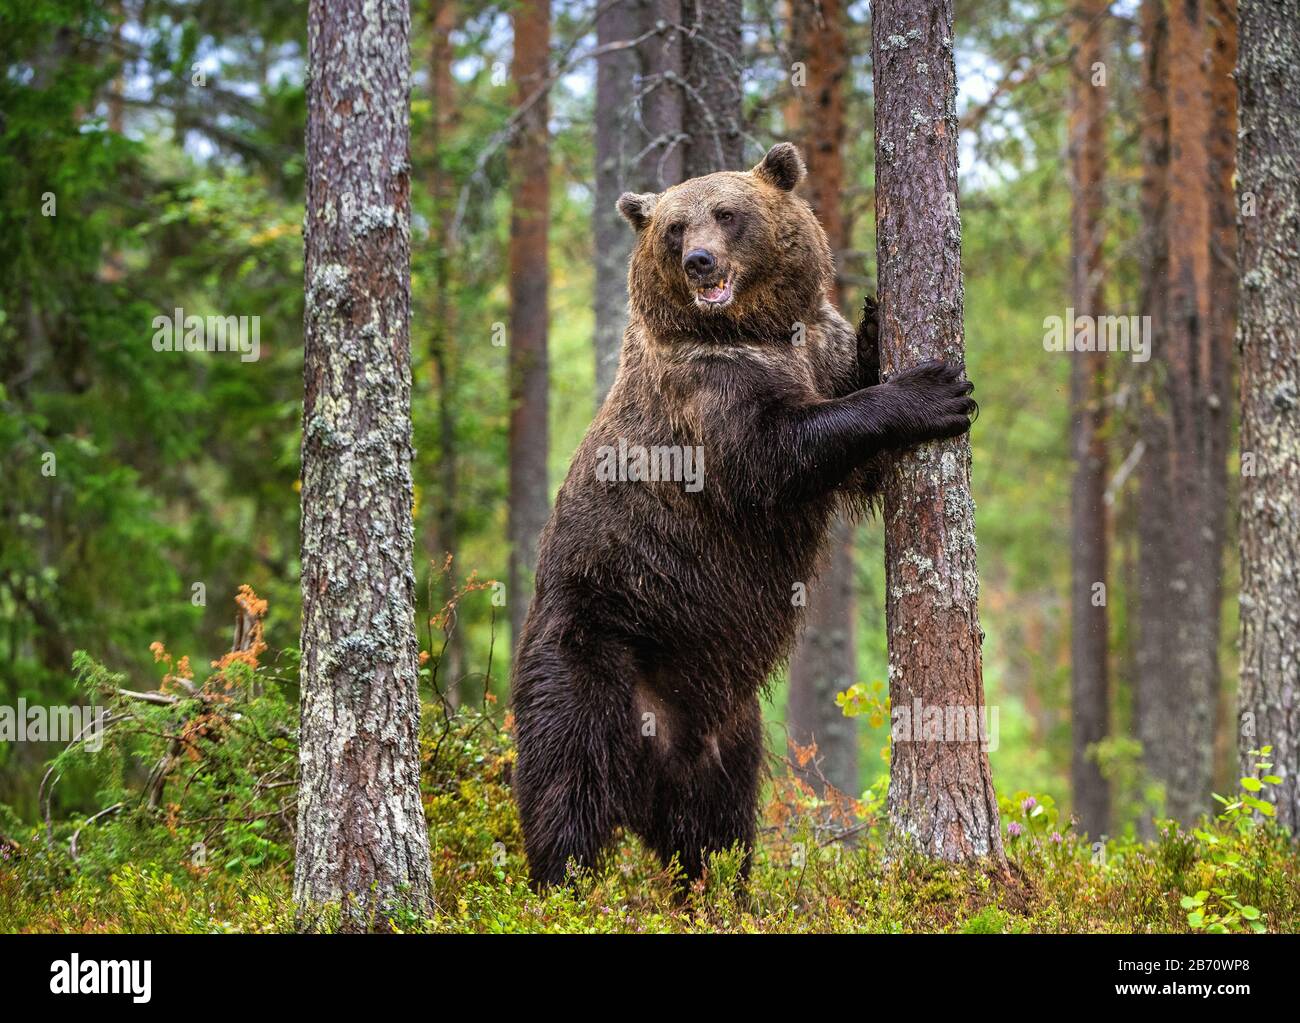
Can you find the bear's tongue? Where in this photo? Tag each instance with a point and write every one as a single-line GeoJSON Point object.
{"type": "Point", "coordinates": [715, 293]}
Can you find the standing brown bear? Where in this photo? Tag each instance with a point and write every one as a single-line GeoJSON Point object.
{"type": "Point", "coordinates": [745, 411]}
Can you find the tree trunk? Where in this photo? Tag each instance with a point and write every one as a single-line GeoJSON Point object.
{"type": "Point", "coordinates": [1268, 77]}
{"type": "Point", "coordinates": [1089, 649]}
{"type": "Point", "coordinates": [1189, 419]}
{"type": "Point", "coordinates": [1222, 143]}
{"type": "Point", "coordinates": [444, 534]}
{"type": "Point", "coordinates": [712, 116]}
{"type": "Point", "coordinates": [1154, 646]}
{"type": "Point", "coordinates": [662, 101]}
{"type": "Point", "coordinates": [362, 834]}
{"type": "Point", "coordinates": [941, 797]}
{"type": "Point", "coordinates": [530, 167]}
{"type": "Point", "coordinates": [825, 660]}
{"type": "Point", "coordinates": [616, 78]}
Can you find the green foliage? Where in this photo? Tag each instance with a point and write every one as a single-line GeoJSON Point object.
{"type": "Point", "coordinates": [136, 871]}
{"type": "Point", "coordinates": [1230, 861]}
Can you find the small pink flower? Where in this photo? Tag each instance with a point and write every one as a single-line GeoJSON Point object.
{"type": "Point", "coordinates": [1029, 803]}
{"type": "Point", "coordinates": [1014, 829]}
{"type": "Point", "coordinates": [1056, 837]}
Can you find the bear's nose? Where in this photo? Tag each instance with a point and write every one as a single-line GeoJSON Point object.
{"type": "Point", "coordinates": [700, 263]}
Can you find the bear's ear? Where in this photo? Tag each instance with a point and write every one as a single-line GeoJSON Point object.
{"type": "Point", "coordinates": [782, 167]}
{"type": "Point", "coordinates": [637, 207]}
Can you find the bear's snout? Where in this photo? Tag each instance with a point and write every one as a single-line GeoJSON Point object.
{"type": "Point", "coordinates": [701, 266]}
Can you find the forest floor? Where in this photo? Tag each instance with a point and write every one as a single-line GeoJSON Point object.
{"type": "Point", "coordinates": [215, 855]}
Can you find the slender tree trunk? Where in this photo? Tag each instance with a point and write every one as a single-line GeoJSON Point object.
{"type": "Point", "coordinates": [1268, 76]}
{"type": "Point", "coordinates": [712, 117]}
{"type": "Point", "coordinates": [1220, 492]}
{"type": "Point", "coordinates": [1154, 644]}
{"type": "Point", "coordinates": [616, 82]}
{"type": "Point", "coordinates": [530, 213]}
{"type": "Point", "coordinates": [362, 833]}
{"type": "Point", "coordinates": [825, 660]}
{"type": "Point", "coordinates": [1089, 646]}
{"type": "Point", "coordinates": [941, 797]}
{"type": "Point", "coordinates": [444, 534]}
{"type": "Point", "coordinates": [662, 101]}
{"type": "Point", "coordinates": [1186, 681]}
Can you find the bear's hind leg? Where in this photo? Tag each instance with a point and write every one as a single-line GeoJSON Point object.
{"type": "Point", "coordinates": [572, 775]}
{"type": "Point", "coordinates": [709, 803]}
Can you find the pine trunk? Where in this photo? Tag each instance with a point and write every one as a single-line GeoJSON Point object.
{"type": "Point", "coordinates": [1189, 418]}
{"type": "Point", "coordinates": [616, 148]}
{"type": "Point", "coordinates": [825, 660]}
{"type": "Point", "coordinates": [362, 835]}
{"type": "Point", "coordinates": [712, 66]}
{"type": "Point", "coordinates": [529, 389]}
{"type": "Point", "coordinates": [1154, 643]}
{"type": "Point", "coordinates": [1268, 77]}
{"type": "Point", "coordinates": [443, 537]}
{"type": "Point", "coordinates": [941, 797]}
{"type": "Point", "coordinates": [1090, 676]}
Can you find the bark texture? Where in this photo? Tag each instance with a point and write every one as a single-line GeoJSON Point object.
{"type": "Point", "coordinates": [1222, 144]}
{"type": "Point", "coordinates": [711, 64]}
{"type": "Point", "coordinates": [941, 797]}
{"type": "Point", "coordinates": [1268, 76]}
{"type": "Point", "coordinates": [1189, 419]}
{"type": "Point", "coordinates": [361, 827]}
{"type": "Point", "coordinates": [529, 388]}
{"type": "Point", "coordinates": [443, 534]}
{"type": "Point", "coordinates": [617, 73]}
{"type": "Point", "coordinates": [1154, 643]}
{"type": "Point", "coordinates": [825, 660]}
{"type": "Point", "coordinates": [1089, 648]}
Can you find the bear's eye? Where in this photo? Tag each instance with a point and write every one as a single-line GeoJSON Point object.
{"type": "Point", "coordinates": [724, 216]}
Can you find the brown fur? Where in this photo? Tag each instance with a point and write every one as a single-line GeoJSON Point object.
{"type": "Point", "coordinates": [655, 600]}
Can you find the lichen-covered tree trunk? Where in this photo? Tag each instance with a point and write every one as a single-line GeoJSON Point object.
{"type": "Point", "coordinates": [941, 797]}
{"type": "Point", "coordinates": [711, 63]}
{"type": "Point", "coordinates": [1268, 79]}
{"type": "Point", "coordinates": [824, 661]}
{"type": "Point", "coordinates": [529, 310]}
{"type": "Point", "coordinates": [1089, 634]}
{"type": "Point", "coordinates": [362, 835]}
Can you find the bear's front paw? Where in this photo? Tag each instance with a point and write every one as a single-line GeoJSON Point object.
{"type": "Point", "coordinates": [937, 402]}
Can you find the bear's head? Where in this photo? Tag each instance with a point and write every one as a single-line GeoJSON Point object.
{"type": "Point", "coordinates": [728, 256]}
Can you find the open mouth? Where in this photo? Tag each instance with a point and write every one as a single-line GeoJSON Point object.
{"type": "Point", "coordinates": [718, 294]}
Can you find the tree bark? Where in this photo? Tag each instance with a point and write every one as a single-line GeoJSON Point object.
{"type": "Point", "coordinates": [443, 539]}
{"type": "Point", "coordinates": [1222, 143]}
{"type": "Point", "coordinates": [1155, 509]}
{"type": "Point", "coordinates": [529, 218]}
{"type": "Point", "coordinates": [1268, 77]}
{"type": "Point", "coordinates": [362, 835]}
{"type": "Point", "coordinates": [617, 72]}
{"type": "Point", "coordinates": [1190, 419]}
{"type": "Point", "coordinates": [825, 660]}
{"type": "Point", "coordinates": [941, 797]}
{"type": "Point", "coordinates": [712, 114]}
{"type": "Point", "coordinates": [1089, 648]}
{"type": "Point", "coordinates": [663, 101]}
